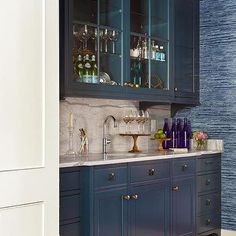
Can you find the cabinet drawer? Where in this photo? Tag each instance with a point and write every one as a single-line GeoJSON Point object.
{"type": "Point", "coordinates": [110, 177]}
{"type": "Point", "coordinates": [209, 164]}
{"type": "Point", "coordinates": [150, 171]}
{"type": "Point", "coordinates": [70, 229]}
{"type": "Point", "coordinates": [69, 207]}
{"type": "Point", "coordinates": [208, 222]}
{"type": "Point", "coordinates": [69, 181]}
{"type": "Point", "coordinates": [208, 182]}
{"type": "Point", "coordinates": [183, 167]}
{"type": "Point", "coordinates": [209, 203]}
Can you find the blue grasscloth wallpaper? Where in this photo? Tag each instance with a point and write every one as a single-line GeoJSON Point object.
{"type": "Point", "coordinates": [217, 113]}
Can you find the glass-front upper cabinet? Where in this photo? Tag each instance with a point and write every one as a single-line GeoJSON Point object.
{"type": "Point", "coordinates": [149, 44]}
{"type": "Point", "coordinates": [97, 41]}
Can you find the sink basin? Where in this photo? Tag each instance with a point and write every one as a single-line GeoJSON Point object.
{"type": "Point", "coordinates": [124, 155]}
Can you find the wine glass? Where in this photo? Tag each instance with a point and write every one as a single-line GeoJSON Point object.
{"type": "Point", "coordinates": [76, 34]}
{"type": "Point", "coordinates": [105, 38]}
{"type": "Point", "coordinates": [113, 36]}
{"type": "Point", "coordinates": [146, 117]}
{"type": "Point", "coordinates": [128, 118]}
{"type": "Point", "coordinates": [94, 37]}
{"type": "Point", "coordinates": [84, 35]}
{"type": "Point", "coordinates": [140, 119]}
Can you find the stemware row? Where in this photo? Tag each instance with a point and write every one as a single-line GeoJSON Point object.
{"type": "Point", "coordinates": [84, 32]}
{"type": "Point", "coordinates": [139, 116]}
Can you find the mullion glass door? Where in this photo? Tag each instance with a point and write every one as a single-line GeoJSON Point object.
{"type": "Point", "coordinates": [159, 44]}
{"type": "Point", "coordinates": [110, 41]}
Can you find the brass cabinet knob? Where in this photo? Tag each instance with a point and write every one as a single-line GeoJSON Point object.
{"type": "Point", "coordinates": [175, 189]}
{"type": "Point", "coordinates": [134, 197]}
{"type": "Point", "coordinates": [176, 89]}
{"type": "Point", "coordinates": [126, 197]}
{"type": "Point", "coordinates": [208, 221]}
{"type": "Point", "coordinates": [111, 176]}
{"type": "Point", "coordinates": [208, 202]}
{"type": "Point", "coordinates": [151, 172]}
{"type": "Point", "coordinates": [208, 181]}
{"type": "Point", "coordinates": [184, 167]}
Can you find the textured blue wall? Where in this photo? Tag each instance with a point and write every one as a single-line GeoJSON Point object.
{"type": "Point", "coordinates": [217, 113]}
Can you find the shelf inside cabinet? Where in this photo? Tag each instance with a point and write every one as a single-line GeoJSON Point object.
{"type": "Point", "coordinates": [147, 60]}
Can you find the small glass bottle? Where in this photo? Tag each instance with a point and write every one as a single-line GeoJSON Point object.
{"type": "Point", "coordinates": [79, 68]}
{"type": "Point", "coordinates": [145, 49]}
{"type": "Point", "coordinates": [139, 47]}
{"type": "Point", "coordinates": [153, 52]}
{"type": "Point", "coordinates": [158, 54]}
{"type": "Point", "coordinates": [94, 70]}
{"type": "Point", "coordinates": [87, 75]}
{"type": "Point", "coordinates": [162, 54]}
{"type": "Point", "coordinates": [166, 131]}
{"type": "Point", "coordinates": [139, 72]}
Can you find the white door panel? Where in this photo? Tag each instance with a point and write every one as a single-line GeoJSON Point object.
{"type": "Point", "coordinates": [22, 73]}
{"type": "Point", "coordinates": [29, 118]}
{"type": "Point", "coordinates": [11, 220]}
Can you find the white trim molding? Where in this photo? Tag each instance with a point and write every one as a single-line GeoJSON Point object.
{"type": "Point", "coordinates": [228, 233]}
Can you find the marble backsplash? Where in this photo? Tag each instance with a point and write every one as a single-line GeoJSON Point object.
{"type": "Point", "coordinates": [90, 113]}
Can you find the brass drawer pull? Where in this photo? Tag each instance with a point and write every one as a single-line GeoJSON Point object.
{"type": "Point", "coordinates": [175, 189]}
{"type": "Point", "coordinates": [134, 197]}
{"type": "Point", "coordinates": [184, 167]}
{"type": "Point", "coordinates": [209, 162]}
{"type": "Point", "coordinates": [151, 172]}
{"type": "Point", "coordinates": [208, 182]}
{"type": "Point", "coordinates": [111, 177]}
{"type": "Point", "coordinates": [126, 197]}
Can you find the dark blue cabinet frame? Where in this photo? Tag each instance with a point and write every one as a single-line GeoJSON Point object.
{"type": "Point", "coordinates": [69, 88]}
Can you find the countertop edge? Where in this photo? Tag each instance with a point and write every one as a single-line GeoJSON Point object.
{"type": "Point", "coordinates": [152, 157]}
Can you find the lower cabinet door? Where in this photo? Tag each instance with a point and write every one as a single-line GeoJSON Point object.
{"type": "Point", "coordinates": [183, 207]}
{"type": "Point", "coordinates": [149, 209]}
{"type": "Point", "coordinates": [110, 213]}
{"type": "Point", "coordinates": [72, 229]}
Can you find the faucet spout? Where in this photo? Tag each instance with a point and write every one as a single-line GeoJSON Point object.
{"type": "Point", "coordinates": [108, 118]}
{"type": "Point", "coordinates": [107, 140]}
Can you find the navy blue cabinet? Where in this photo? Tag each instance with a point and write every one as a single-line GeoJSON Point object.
{"type": "Point", "coordinates": [150, 210]}
{"type": "Point", "coordinates": [209, 195]}
{"type": "Point", "coordinates": [186, 51]}
{"type": "Point", "coordinates": [110, 213]}
{"type": "Point", "coordinates": [177, 197]}
{"type": "Point", "coordinates": [126, 200]}
{"type": "Point", "coordinates": [183, 197]}
{"type": "Point", "coordinates": [113, 31]}
{"type": "Point", "coordinates": [70, 211]}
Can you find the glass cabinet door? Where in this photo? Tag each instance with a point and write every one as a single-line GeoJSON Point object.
{"type": "Point", "coordinates": [97, 37]}
{"type": "Point", "coordinates": [149, 44]}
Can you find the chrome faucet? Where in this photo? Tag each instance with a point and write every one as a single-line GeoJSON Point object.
{"type": "Point", "coordinates": [106, 139]}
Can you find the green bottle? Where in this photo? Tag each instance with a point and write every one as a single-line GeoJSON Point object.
{"type": "Point", "coordinates": [79, 68]}
{"type": "Point", "coordinates": [87, 72]}
{"type": "Point", "coordinates": [94, 70]}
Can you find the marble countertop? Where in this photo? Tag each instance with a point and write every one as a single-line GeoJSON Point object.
{"type": "Point", "coordinates": [118, 158]}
